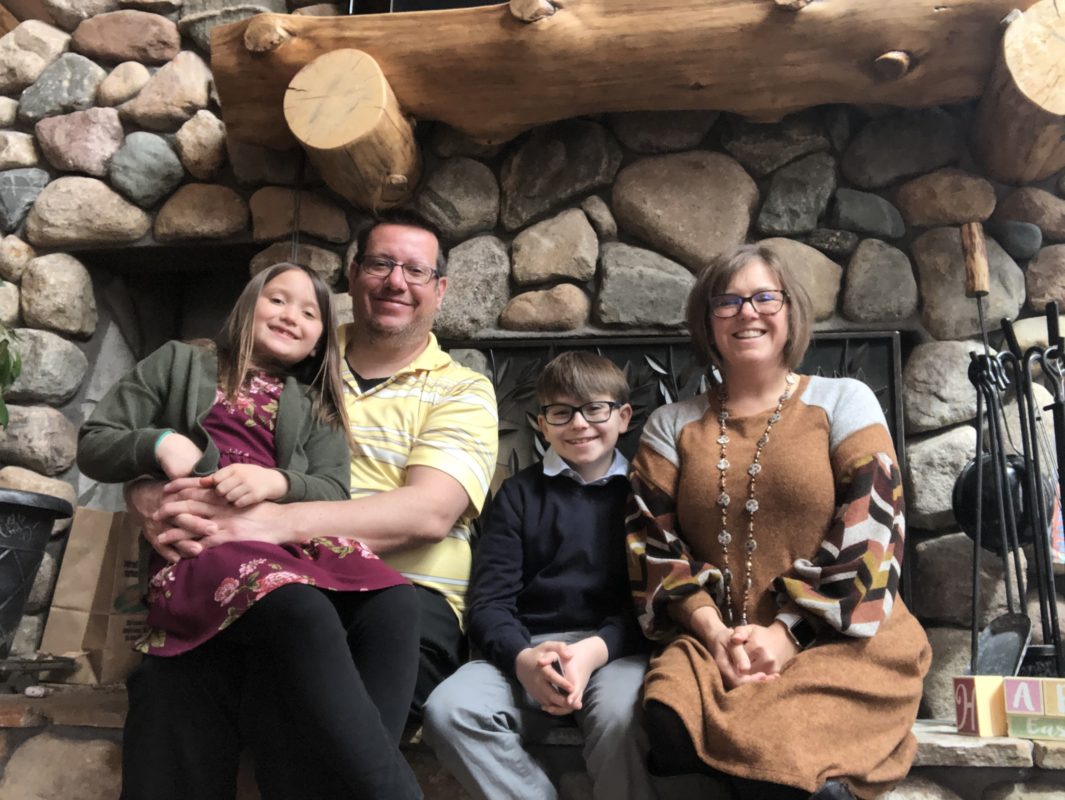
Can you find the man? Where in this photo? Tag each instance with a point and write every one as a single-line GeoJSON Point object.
{"type": "Point", "coordinates": [426, 434]}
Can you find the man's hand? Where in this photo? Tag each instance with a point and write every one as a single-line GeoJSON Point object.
{"type": "Point", "coordinates": [585, 657]}
{"type": "Point", "coordinates": [177, 455]}
{"type": "Point", "coordinates": [768, 648]}
{"type": "Point", "coordinates": [143, 499]}
{"type": "Point", "coordinates": [534, 669]}
{"type": "Point", "coordinates": [201, 512]}
{"type": "Point", "coordinates": [245, 485]}
{"type": "Point", "coordinates": [731, 658]}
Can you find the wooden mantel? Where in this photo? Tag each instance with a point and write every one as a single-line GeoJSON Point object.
{"type": "Point", "coordinates": [490, 74]}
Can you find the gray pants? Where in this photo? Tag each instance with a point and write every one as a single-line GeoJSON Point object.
{"type": "Point", "coordinates": [479, 720]}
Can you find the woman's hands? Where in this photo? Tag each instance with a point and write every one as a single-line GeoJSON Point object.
{"type": "Point", "coordinates": [746, 653]}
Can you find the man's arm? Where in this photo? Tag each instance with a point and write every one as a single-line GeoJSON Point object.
{"type": "Point", "coordinates": [420, 512]}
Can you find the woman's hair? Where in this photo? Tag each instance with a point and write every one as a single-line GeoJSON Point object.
{"type": "Point", "coordinates": [583, 376]}
{"type": "Point", "coordinates": [319, 371]}
{"type": "Point", "coordinates": [714, 280]}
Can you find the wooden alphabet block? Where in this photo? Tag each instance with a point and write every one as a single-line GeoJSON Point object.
{"type": "Point", "coordinates": [979, 707]}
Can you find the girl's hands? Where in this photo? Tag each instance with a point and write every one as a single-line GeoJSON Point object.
{"type": "Point", "coordinates": [245, 485]}
{"type": "Point", "coordinates": [177, 455]}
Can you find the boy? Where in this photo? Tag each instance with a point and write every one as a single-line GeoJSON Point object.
{"type": "Point", "coordinates": [550, 609]}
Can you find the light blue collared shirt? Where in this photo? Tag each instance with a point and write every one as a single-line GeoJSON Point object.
{"type": "Point", "coordinates": [554, 464]}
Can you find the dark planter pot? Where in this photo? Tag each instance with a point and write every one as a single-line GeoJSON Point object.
{"type": "Point", "coordinates": [26, 520]}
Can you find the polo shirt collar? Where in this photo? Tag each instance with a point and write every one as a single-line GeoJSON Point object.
{"type": "Point", "coordinates": [432, 357]}
{"type": "Point", "coordinates": [554, 464]}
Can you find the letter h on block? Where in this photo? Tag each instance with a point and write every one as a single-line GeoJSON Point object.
{"type": "Point", "coordinates": [979, 709]}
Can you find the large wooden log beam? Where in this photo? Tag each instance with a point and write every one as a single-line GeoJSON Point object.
{"type": "Point", "coordinates": [1020, 129]}
{"type": "Point", "coordinates": [492, 75]}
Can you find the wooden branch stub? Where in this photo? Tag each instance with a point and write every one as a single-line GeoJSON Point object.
{"type": "Point", "coordinates": [265, 33]}
{"type": "Point", "coordinates": [974, 247]}
{"type": "Point", "coordinates": [532, 10]}
{"type": "Point", "coordinates": [892, 65]}
{"type": "Point", "coordinates": [341, 108]}
{"type": "Point", "coordinates": [792, 5]}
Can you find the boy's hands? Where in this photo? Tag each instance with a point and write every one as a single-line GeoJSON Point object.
{"type": "Point", "coordinates": [177, 455]}
{"type": "Point", "coordinates": [586, 656]}
{"type": "Point", "coordinates": [535, 670]}
{"type": "Point", "coordinates": [246, 484]}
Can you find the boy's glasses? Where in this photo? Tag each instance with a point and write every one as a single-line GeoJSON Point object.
{"type": "Point", "coordinates": [381, 267]}
{"type": "Point", "coordinates": [595, 411]}
{"type": "Point", "coordinates": [767, 303]}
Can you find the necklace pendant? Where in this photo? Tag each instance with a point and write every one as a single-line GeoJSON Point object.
{"type": "Point", "coordinates": [723, 464]}
{"type": "Point", "coordinates": [724, 538]}
{"type": "Point", "coordinates": [723, 500]}
{"type": "Point", "coordinates": [722, 439]}
{"type": "Point", "coordinates": [722, 415]}
{"type": "Point", "coordinates": [775, 418]}
{"type": "Point", "coordinates": [751, 506]}
{"type": "Point", "coordinates": [764, 440]}
{"type": "Point", "coordinates": [791, 379]}
{"type": "Point", "coordinates": [751, 545]}
{"type": "Point", "coordinates": [754, 469]}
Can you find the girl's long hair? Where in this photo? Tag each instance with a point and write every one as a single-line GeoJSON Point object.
{"type": "Point", "coordinates": [320, 371]}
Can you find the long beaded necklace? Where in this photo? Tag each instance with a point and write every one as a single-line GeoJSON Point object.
{"type": "Point", "coordinates": [751, 506]}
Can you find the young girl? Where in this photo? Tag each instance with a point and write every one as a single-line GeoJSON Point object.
{"type": "Point", "coordinates": [259, 413]}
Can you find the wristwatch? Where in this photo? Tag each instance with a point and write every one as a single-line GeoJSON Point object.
{"type": "Point", "coordinates": [802, 633]}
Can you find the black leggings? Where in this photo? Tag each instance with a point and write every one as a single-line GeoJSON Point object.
{"type": "Point", "coordinates": [673, 753]}
{"type": "Point", "coordinates": [316, 683]}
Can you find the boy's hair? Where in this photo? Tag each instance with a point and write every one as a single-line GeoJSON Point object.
{"type": "Point", "coordinates": [583, 376]}
{"type": "Point", "coordinates": [319, 371]}
{"type": "Point", "coordinates": [408, 218]}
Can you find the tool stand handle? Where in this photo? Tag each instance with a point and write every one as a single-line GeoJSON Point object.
{"type": "Point", "coordinates": [974, 247]}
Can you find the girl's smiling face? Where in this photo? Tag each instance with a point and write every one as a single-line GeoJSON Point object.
{"type": "Point", "coordinates": [288, 322]}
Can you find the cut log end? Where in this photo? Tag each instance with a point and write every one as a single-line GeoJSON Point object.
{"type": "Point", "coordinates": [892, 65]}
{"type": "Point", "coordinates": [532, 10]}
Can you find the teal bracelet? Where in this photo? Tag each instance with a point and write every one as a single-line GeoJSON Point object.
{"type": "Point", "coordinates": [159, 438]}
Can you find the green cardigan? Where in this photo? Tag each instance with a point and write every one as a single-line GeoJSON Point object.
{"type": "Point", "coordinates": [174, 388]}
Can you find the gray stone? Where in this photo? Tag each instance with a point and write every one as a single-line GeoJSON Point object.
{"type": "Point", "coordinates": [17, 150]}
{"type": "Point", "coordinates": [8, 111]}
{"type": "Point", "coordinates": [73, 211]}
{"type": "Point", "coordinates": [68, 14]}
{"type": "Point", "coordinates": [19, 188]}
{"type": "Point", "coordinates": [122, 83]}
{"type": "Point", "coordinates": [26, 51]}
{"type": "Point", "coordinates": [641, 288]}
{"type": "Point", "coordinates": [763, 148]}
{"type": "Point", "coordinates": [273, 212]}
{"type": "Point", "coordinates": [951, 655]}
{"type": "Point", "coordinates": [560, 247]}
{"type": "Point", "coordinates": [343, 308]}
{"type": "Point", "coordinates": [934, 465]}
{"type": "Point", "coordinates": [1031, 332]}
{"type": "Point", "coordinates": [38, 438]}
{"type": "Point", "coordinates": [40, 596]}
{"type": "Point", "coordinates": [477, 274]}
{"type": "Point", "coordinates": [145, 169]}
{"type": "Point", "coordinates": [1043, 399]}
{"type": "Point", "coordinates": [52, 369]}
{"type": "Point", "coordinates": [68, 84]}
{"type": "Point", "coordinates": [9, 304]}
{"type": "Point", "coordinates": [1049, 755]}
{"type": "Point", "coordinates": [798, 196]}
{"type": "Point", "coordinates": [946, 312]}
{"type": "Point", "coordinates": [866, 213]}
{"type": "Point", "coordinates": [57, 296]}
{"type": "Point", "coordinates": [938, 744]}
{"type": "Point", "coordinates": [554, 165]}
{"type": "Point", "coordinates": [254, 165]}
{"type": "Point", "coordinates": [461, 196]}
{"type": "Point", "coordinates": [200, 17]}
{"type": "Point", "coordinates": [880, 286]}
{"type": "Point", "coordinates": [1021, 240]}
{"type": "Point", "coordinates": [601, 217]}
{"type": "Point", "coordinates": [1024, 790]}
{"type": "Point", "coordinates": [201, 145]}
{"type": "Point", "coordinates": [201, 211]}
{"type": "Point", "coordinates": [662, 131]}
{"type": "Point", "coordinates": [83, 141]}
{"type": "Point", "coordinates": [911, 142]}
{"type": "Point", "coordinates": [691, 206]}
{"type": "Point", "coordinates": [833, 243]}
{"type": "Point", "coordinates": [27, 635]}
{"type": "Point", "coordinates": [448, 143]}
{"type": "Point", "coordinates": [98, 774]}
{"type": "Point", "coordinates": [935, 382]}
{"type": "Point", "coordinates": [943, 581]}
{"type": "Point", "coordinates": [819, 275]}
{"type": "Point", "coordinates": [127, 35]}
{"type": "Point", "coordinates": [946, 197]}
{"type": "Point", "coordinates": [1045, 277]}
{"type": "Point", "coordinates": [324, 262]}
{"type": "Point", "coordinates": [472, 359]}
{"type": "Point", "coordinates": [172, 95]}
{"type": "Point", "coordinates": [1039, 207]}
{"type": "Point", "coordinates": [915, 788]}
{"type": "Point", "coordinates": [15, 256]}
{"type": "Point", "coordinates": [1035, 613]}
{"type": "Point", "coordinates": [562, 308]}
{"type": "Point", "coordinates": [838, 126]}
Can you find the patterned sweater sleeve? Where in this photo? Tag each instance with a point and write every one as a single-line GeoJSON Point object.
{"type": "Point", "coordinates": [851, 583]}
{"type": "Point", "coordinates": [668, 582]}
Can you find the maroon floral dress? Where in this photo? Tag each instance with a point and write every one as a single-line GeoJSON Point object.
{"type": "Point", "coordinates": [196, 598]}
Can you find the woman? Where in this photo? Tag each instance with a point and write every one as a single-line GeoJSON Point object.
{"type": "Point", "coordinates": [765, 549]}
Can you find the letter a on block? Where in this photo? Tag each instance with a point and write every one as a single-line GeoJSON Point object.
{"type": "Point", "coordinates": [1023, 696]}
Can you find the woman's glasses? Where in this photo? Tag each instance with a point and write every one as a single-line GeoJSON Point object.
{"type": "Point", "coordinates": [767, 302]}
{"type": "Point", "coordinates": [595, 411]}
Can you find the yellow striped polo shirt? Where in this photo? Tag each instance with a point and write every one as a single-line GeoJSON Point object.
{"type": "Point", "coordinates": [434, 413]}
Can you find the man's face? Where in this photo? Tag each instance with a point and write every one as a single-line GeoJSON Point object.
{"type": "Point", "coordinates": [390, 306]}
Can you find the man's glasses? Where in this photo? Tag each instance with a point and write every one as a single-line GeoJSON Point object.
{"type": "Point", "coordinates": [381, 267]}
{"type": "Point", "coordinates": [595, 411]}
{"type": "Point", "coordinates": [768, 303]}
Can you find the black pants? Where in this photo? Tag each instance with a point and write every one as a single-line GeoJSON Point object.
{"type": "Point", "coordinates": [672, 753]}
{"type": "Point", "coordinates": [443, 647]}
{"type": "Point", "coordinates": [316, 683]}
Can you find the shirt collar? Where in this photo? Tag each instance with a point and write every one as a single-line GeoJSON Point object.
{"type": "Point", "coordinates": [554, 464]}
{"type": "Point", "coordinates": [432, 357]}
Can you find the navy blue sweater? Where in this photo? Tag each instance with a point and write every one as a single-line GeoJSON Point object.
{"type": "Point", "coordinates": [551, 558]}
